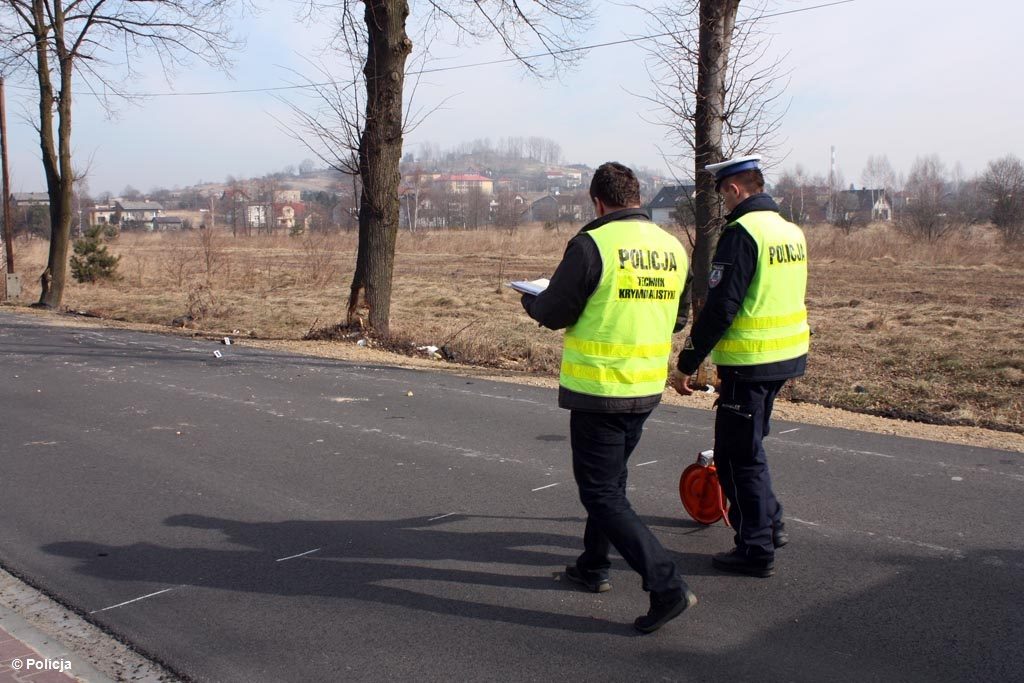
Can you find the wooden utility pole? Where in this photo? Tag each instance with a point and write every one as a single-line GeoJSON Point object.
{"type": "Point", "coordinates": [8, 228]}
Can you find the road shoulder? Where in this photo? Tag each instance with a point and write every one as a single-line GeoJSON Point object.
{"type": "Point", "coordinates": [34, 626]}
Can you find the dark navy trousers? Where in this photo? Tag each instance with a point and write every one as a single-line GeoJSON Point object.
{"type": "Point", "coordinates": [601, 446]}
{"type": "Point", "coordinates": [744, 409]}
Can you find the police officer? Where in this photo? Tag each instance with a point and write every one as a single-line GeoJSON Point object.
{"type": "Point", "coordinates": [619, 294]}
{"type": "Point", "coordinates": [754, 324]}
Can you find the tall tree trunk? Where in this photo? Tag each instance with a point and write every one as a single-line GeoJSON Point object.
{"type": "Point", "coordinates": [717, 20]}
{"type": "Point", "coordinates": [56, 153]}
{"type": "Point", "coordinates": [380, 151]}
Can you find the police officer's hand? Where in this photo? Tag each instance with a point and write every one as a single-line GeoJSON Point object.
{"type": "Point", "coordinates": [681, 383]}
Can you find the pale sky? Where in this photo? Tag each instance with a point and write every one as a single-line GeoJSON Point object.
{"type": "Point", "coordinates": [903, 78]}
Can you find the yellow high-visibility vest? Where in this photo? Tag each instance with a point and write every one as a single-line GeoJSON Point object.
{"type": "Point", "coordinates": [771, 324]}
{"type": "Point", "coordinates": [620, 345]}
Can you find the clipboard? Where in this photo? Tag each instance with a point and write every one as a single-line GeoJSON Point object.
{"type": "Point", "coordinates": [533, 287]}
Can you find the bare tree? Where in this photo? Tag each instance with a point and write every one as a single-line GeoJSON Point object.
{"type": "Point", "coordinates": [1003, 185]}
{"type": "Point", "coordinates": [53, 41]}
{"type": "Point", "coordinates": [717, 94]}
{"type": "Point", "coordinates": [796, 193]}
{"type": "Point", "coordinates": [508, 215]}
{"type": "Point", "coordinates": [878, 174]}
{"type": "Point", "coordinates": [933, 207]}
{"type": "Point", "coordinates": [383, 38]}
{"type": "Point", "coordinates": [477, 207]}
{"type": "Point", "coordinates": [329, 121]}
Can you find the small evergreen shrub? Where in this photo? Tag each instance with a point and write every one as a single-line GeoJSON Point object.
{"type": "Point", "coordinates": [91, 261]}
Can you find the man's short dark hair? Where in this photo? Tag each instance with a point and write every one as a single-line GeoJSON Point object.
{"type": "Point", "coordinates": [615, 185]}
{"type": "Point", "coordinates": [752, 181]}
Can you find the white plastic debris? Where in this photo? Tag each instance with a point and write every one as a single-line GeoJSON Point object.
{"type": "Point", "coordinates": [361, 342]}
{"type": "Point", "coordinates": [226, 341]}
{"type": "Point", "coordinates": [218, 354]}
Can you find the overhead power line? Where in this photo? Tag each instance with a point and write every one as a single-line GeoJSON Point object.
{"type": "Point", "coordinates": [473, 65]}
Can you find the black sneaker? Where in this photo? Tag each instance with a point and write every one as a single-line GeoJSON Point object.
{"type": "Point", "coordinates": [663, 611]}
{"type": "Point", "coordinates": [779, 535]}
{"type": "Point", "coordinates": [598, 585]}
{"type": "Point", "coordinates": [738, 563]}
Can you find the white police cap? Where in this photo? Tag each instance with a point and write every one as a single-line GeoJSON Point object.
{"type": "Point", "coordinates": [724, 169]}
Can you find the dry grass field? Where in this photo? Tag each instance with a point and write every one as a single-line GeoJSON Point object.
{"type": "Point", "coordinates": [927, 332]}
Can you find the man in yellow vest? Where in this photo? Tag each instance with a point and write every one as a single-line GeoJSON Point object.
{"type": "Point", "coordinates": [754, 324]}
{"type": "Point", "coordinates": [619, 293]}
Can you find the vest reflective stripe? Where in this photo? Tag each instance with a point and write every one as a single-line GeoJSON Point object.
{"type": "Point", "coordinates": [620, 346]}
{"type": "Point", "coordinates": [762, 345]}
{"type": "Point", "coordinates": [615, 375]}
{"type": "Point", "coordinates": [769, 321]}
{"type": "Point", "coordinates": [771, 324]}
{"type": "Point", "coordinates": [593, 348]}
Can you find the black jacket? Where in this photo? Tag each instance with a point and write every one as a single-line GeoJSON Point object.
{"type": "Point", "coordinates": [562, 303]}
{"type": "Point", "coordinates": [733, 267]}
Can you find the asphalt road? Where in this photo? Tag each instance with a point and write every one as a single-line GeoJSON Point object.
{"type": "Point", "coordinates": [269, 517]}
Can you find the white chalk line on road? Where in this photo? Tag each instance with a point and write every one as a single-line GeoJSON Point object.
{"type": "Point", "coordinates": [270, 410]}
{"type": "Point", "coordinates": [471, 453]}
{"type": "Point", "coordinates": [541, 488]}
{"type": "Point", "coordinates": [292, 557]}
{"type": "Point", "coordinates": [899, 540]}
{"type": "Point", "coordinates": [128, 602]}
{"type": "Point", "coordinates": [447, 514]}
{"type": "Point", "coordinates": [467, 452]}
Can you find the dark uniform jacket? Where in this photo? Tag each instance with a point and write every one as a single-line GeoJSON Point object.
{"type": "Point", "coordinates": [561, 304]}
{"type": "Point", "coordinates": [736, 259]}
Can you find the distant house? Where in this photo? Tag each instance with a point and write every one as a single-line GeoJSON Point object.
{"type": "Point", "coordinates": [542, 210]}
{"type": "Point", "coordinates": [467, 182]}
{"type": "Point", "coordinates": [664, 204]}
{"type": "Point", "coordinates": [102, 214]}
{"type": "Point", "coordinates": [554, 181]}
{"type": "Point", "coordinates": [287, 213]}
{"type": "Point", "coordinates": [556, 207]}
{"type": "Point", "coordinates": [863, 206]}
{"type": "Point", "coordinates": [126, 211]}
{"type": "Point", "coordinates": [161, 223]}
{"type": "Point", "coordinates": [234, 195]}
{"type": "Point", "coordinates": [560, 179]}
{"type": "Point", "coordinates": [418, 177]}
{"type": "Point", "coordinates": [287, 196]}
{"type": "Point", "coordinates": [22, 199]}
{"type": "Point", "coordinates": [256, 216]}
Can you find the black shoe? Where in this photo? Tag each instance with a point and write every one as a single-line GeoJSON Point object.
{"type": "Point", "coordinates": [663, 611]}
{"type": "Point", "coordinates": [779, 535]}
{"type": "Point", "coordinates": [598, 585]}
{"type": "Point", "coordinates": [738, 563]}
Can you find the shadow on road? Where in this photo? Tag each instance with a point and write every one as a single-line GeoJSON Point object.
{"type": "Point", "coordinates": [937, 618]}
{"type": "Point", "coordinates": [912, 617]}
{"type": "Point", "coordinates": [357, 560]}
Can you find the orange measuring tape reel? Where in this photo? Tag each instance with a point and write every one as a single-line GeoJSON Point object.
{"type": "Point", "coordinates": [701, 492]}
